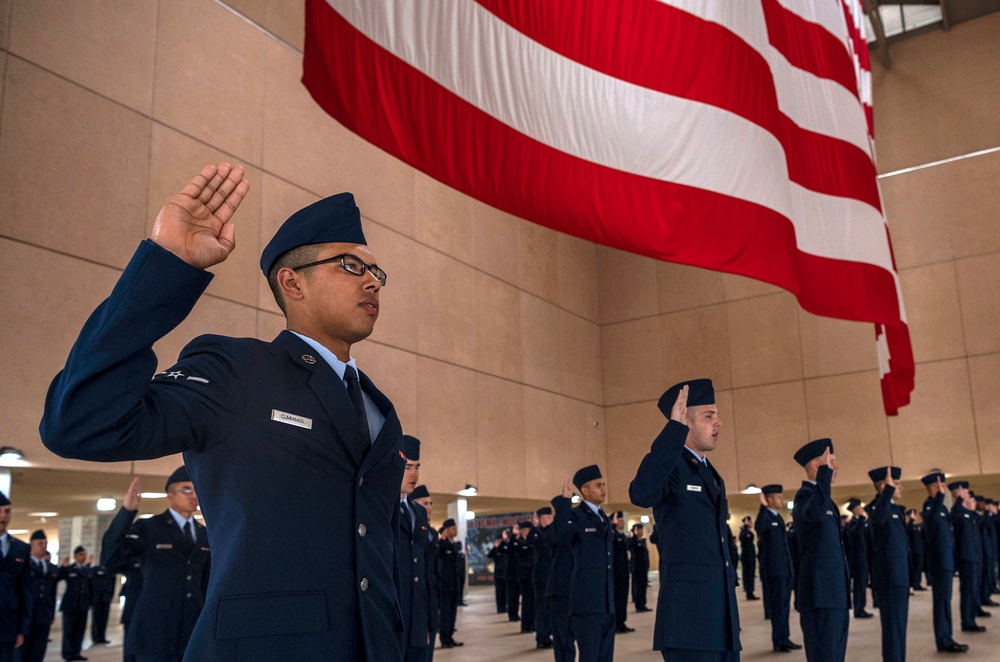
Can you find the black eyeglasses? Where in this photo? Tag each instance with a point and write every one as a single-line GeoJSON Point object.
{"type": "Point", "coordinates": [351, 265]}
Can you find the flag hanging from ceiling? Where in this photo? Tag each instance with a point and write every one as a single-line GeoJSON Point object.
{"type": "Point", "coordinates": [724, 134]}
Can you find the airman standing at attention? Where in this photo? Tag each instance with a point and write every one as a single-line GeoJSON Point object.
{"type": "Point", "coordinates": [940, 561]}
{"type": "Point", "coordinates": [640, 567]}
{"type": "Point", "coordinates": [776, 570]}
{"type": "Point", "coordinates": [890, 561]}
{"type": "Point", "coordinates": [622, 573]}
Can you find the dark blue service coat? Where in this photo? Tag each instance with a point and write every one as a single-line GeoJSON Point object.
{"type": "Point", "coordinates": [261, 425]}
{"type": "Point", "coordinates": [698, 580]}
{"type": "Point", "coordinates": [890, 551]}
{"type": "Point", "coordinates": [175, 577]}
{"type": "Point", "coordinates": [414, 595]}
{"type": "Point", "coordinates": [15, 599]}
{"type": "Point", "coordinates": [592, 583]}
{"type": "Point", "coordinates": [822, 575]}
{"type": "Point", "coordinates": [772, 540]}
{"type": "Point", "coordinates": [939, 536]}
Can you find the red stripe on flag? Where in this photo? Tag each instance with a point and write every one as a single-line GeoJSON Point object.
{"type": "Point", "coordinates": [632, 39]}
{"type": "Point", "coordinates": [809, 46]}
{"type": "Point", "coordinates": [401, 110]}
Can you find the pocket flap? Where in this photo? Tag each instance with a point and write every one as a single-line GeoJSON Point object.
{"type": "Point", "coordinates": [271, 614]}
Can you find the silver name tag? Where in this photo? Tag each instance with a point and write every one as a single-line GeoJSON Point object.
{"type": "Point", "coordinates": [164, 545]}
{"type": "Point", "coordinates": [774, 524]}
{"type": "Point", "coordinates": [694, 488]}
{"type": "Point", "coordinates": [291, 419]}
{"type": "Point", "coordinates": [895, 516]}
{"type": "Point", "coordinates": [590, 530]}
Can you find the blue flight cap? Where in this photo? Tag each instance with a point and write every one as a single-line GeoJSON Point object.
{"type": "Point", "coordinates": [448, 523]}
{"type": "Point", "coordinates": [853, 503]}
{"type": "Point", "coordinates": [585, 475]}
{"type": "Point", "coordinates": [419, 492]}
{"type": "Point", "coordinates": [79, 548]}
{"type": "Point", "coordinates": [411, 448]}
{"type": "Point", "coordinates": [545, 510]}
{"type": "Point", "coordinates": [958, 484]}
{"type": "Point", "coordinates": [878, 474]}
{"type": "Point", "coordinates": [38, 535]}
{"type": "Point", "coordinates": [772, 489]}
{"type": "Point", "coordinates": [333, 219]}
{"type": "Point", "coordinates": [526, 524]}
{"type": "Point", "coordinates": [932, 478]}
{"type": "Point", "coordinates": [812, 450]}
{"type": "Point", "coordinates": [179, 476]}
{"type": "Point", "coordinates": [700, 392]}
{"type": "Point", "coordinates": [4, 501]}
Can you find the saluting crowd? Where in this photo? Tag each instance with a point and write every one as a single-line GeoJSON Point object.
{"type": "Point", "coordinates": [296, 421]}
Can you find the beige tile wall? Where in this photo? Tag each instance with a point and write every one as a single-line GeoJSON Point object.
{"type": "Point", "coordinates": [516, 353]}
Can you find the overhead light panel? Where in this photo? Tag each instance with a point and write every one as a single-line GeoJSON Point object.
{"type": "Point", "coordinates": [154, 495]}
{"type": "Point", "coordinates": [106, 503]}
{"type": "Point", "coordinates": [469, 491]}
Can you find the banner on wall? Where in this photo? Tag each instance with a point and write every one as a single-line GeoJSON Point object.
{"type": "Point", "coordinates": [481, 533]}
{"type": "Point", "coordinates": [733, 136]}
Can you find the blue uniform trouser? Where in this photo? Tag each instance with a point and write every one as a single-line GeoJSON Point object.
{"type": "Point", "coordinates": [685, 655]}
{"type": "Point", "coordinates": [941, 583]}
{"type": "Point", "coordinates": [74, 627]}
{"type": "Point", "coordinates": [543, 616]}
{"type": "Point", "coordinates": [500, 588]}
{"type": "Point", "coordinates": [859, 582]}
{"type": "Point", "coordinates": [35, 643]}
{"type": "Point", "coordinates": [621, 601]}
{"type": "Point", "coordinates": [513, 597]}
{"type": "Point", "coordinates": [640, 580]}
{"type": "Point", "coordinates": [893, 614]}
{"type": "Point", "coordinates": [968, 586]}
{"type": "Point", "coordinates": [563, 642]}
{"type": "Point", "coordinates": [777, 596]}
{"type": "Point", "coordinates": [415, 654]}
{"type": "Point", "coordinates": [825, 634]}
{"type": "Point", "coordinates": [527, 590]}
{"type": "Point", "coordinates": [764, 594]}
{"type": "Point", "coordinates": [988, 581]}
{"type": "Point", "coordinates": [449, 609]}
{"type": "Point", "coordinates": [595, 636]}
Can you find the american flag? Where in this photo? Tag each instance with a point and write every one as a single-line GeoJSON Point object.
{"type": "Point", "coordinates": [732, 135]}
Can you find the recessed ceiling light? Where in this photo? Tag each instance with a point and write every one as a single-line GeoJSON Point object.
{"type": "Point", "coordinates": [154, 495]}
{"type": "Point", "coordinates": [106, 503]}
{"type": "Point", "coordinates": [45, 514]}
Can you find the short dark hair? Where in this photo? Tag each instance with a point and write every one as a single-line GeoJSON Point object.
{"type": "Point", "coordinates": [294, 257]}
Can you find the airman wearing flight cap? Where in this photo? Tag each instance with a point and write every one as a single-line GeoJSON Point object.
{"type": "Point", "coordinates": [290, 422]}
{"type": "Point", "coordinates": [696, 612]}
{"type": "Point", "coordinates": [541, 568]}
{"type": "Point", "coordinates": [15, 600]}
{"type": "Point", "coordinates": [776, 571]}
{"type": "Point", "coordinates": [968, 555]}
{"type": "Point", "coordinates": [822, 594]}
{"type": "Point", "coordinates": [173, 550]}
{"type": "Point", "coordinates": [890, 561]}
{"type": "Point", "coordinates": [588, 532]}
{"type": "Point", "coordinates": [75, 603]}
{"type": "Point", "coordinates": [414, 597]}
{"type": "Point", "coordinates": [987, 531]}
{"type": "Point", "coordinates": [940, 561]}
{"type": "Point", "coordinates": [450, 581]}
{"type": "Point", "coordinates": [42, 578]}
{"type": "Point", "coordinates": [856, 535]}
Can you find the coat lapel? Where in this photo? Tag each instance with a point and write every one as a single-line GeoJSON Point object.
{"type": "Point", "coordinates": [328, 388]}
{"type": "Point", "coordinates": [391, 434]}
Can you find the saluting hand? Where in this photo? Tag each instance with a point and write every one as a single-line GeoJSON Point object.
{"type": "Point", "coordinates": [679, 411]}
{"type": "Point", "coordinates": [133, 496]}
{"type": "Point", "coordinates": [567, 491]}
{"type": "Point", "coordinates": [195, 224]}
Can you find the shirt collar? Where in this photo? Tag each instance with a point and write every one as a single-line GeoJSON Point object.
{"type": "Point", "coordinates": [596, 509]}
{"type": "Point", "coordinates": [700, 458]}
{"type": "Point", "coordinates": [180, 520]}
{"type": "Point", "coordinates": [773, 511]}
{"type": "Point", "coordinates": [338, 366]}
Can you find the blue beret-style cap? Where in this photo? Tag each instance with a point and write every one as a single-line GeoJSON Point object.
{"type": "Point", "coordinates": [544, 510]}
{"type": "Point", "coordinates": [448, 523]}
{"type": "Point", "coordinates": [958, 484]}
{"type": "Point", "coordinates": [585, 475]}
{"type": "Point", "coordinates": [411, 448]}
{"type": "Point", "coordinates": [812, 450]}
{"type": "Point", "coordinates": [772, 489]}
{"type": "Point", "coordinates": [932, 478]}
{"type": "Point", "coordinates": [878, 474]}
{"type": "Point", "coordinates": [333, 219]}
{"type": "Point", "coordinates": [853, 503]}
{"type": "Point", "coordinates": [700, 392]}
{"type": "Point", "coordinates": [419, 492]}
{"type": "Point", "coordinates": [38, 535]}
{"type": "Point", "coordinates": [179, 476]}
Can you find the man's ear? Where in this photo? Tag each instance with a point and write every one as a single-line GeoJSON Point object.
{"type": "Point", "coordinates": [289, 282]}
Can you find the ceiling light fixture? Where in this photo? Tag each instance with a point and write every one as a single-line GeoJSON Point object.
{"type": "Point", "coordinates": [469, 491]}
{"type": "Point", "coordinates": [105, 504]}
{"type": "Point", "coordinates": [153, 495]}
{"type": "Point", "coordinates": [10, 457]}
{"type": "Point", "coordinates": [751, 489]}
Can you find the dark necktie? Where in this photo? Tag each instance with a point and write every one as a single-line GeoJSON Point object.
{"type": "Point", "coordinates": [188, 532]}
{"type": "Point", "coordinates": [358, 400]}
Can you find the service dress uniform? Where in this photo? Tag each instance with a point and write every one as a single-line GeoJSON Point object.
{"type": "Point", "coordinates": [557, 595]}
{"type": "Point", "coordinates": [525, 572]}
{"type": "Point", "coordinates": [42, 578]}
{"type": "Point", "coordinates": [540, 576]}
{"type": "Point", "coordinates": [75, 606]}
{"type": "Point", "coordinates": [511, 551]}
{"type": "Point", "coordinates": [102, 591]}
{"type": "Point", "coordinates": [414, 595]}
{"type": "Point", "coordinates": [988, 583]}
{"type": "Point", "coordinates": [890, 569]}
{"type": "Point", "coordinates": [748, 560]}
{"type": "Point", "coordinates": [856, 546]}
{"type": "Point", "coordinates": [916, 538]}
{"type": "Point", "coordinates": [175, 575]}
{"type": "Point", "coordinates": [940, 563]}
{"type": "Point", "coordinates": [822, 594]}
{"type": "Point", "coordinates": [499, 557]}
{"type": "Point", "coordinates": [696, 611]}
{"type": "Point", "coordinates": [776, 571]}
{"type": "Point", "coordinates": [450, 587]}
{"type": "Point", "coordinates": [588, 533]}
{"type": "Point", "coordinates": [640, 571]}
{"type": "Point", "coordinates": [622, 574]}
{"type": "Point", "coordinates": [15, 598]}
{"type": "Point", "coordinates": [969, 558]}
{"type": "Point", "coordinates": [259, 423]}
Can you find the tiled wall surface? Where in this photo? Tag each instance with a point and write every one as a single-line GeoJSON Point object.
{"type": "Point", "coordinates": [516, 353]}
